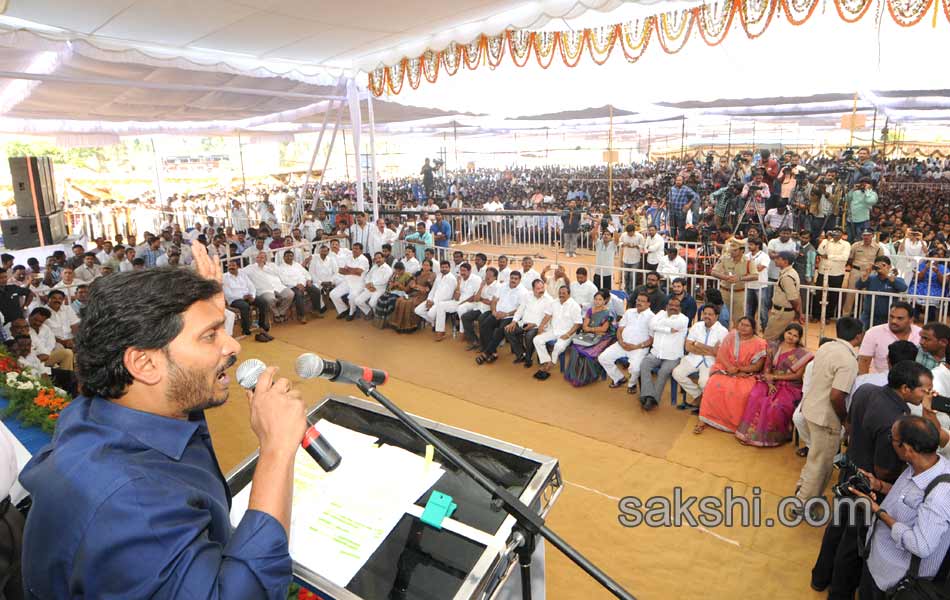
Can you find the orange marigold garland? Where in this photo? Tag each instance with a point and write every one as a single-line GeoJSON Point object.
{"type": "Point", "coordinates": [908, 13]}
{"type": "Point", "coordinates": [544, 43]}
{"type": "Point", "coordinates": [519, 46]}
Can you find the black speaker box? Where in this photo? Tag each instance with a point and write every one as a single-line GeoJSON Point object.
{"type": "Point", "coordinates": [34, 187]}
{"type": "Point", "coordinates": [21, 233]}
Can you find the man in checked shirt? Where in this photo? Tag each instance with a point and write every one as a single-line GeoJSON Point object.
{"type": "Point", "coordinates": [681, 201]}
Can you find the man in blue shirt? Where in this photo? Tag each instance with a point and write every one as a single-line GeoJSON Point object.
{"type": "Point", "coordinates": [881, 279]}
{"type": "Point", "coordinates": [441, 231]}
{"type": "Point", "coordinates": [422, 239]}
{"type": "Point", "coordinates": [681, 201]}
{"type": "Point", "coordinates": [128, 499]}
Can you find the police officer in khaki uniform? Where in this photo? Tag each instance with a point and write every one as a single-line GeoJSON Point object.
{"type": "Point", "coordinates": [733, 271]}
{"type": "Point", "coordinates": [786, 297]}
{"type": "Point", "coordinates": [862, 258]}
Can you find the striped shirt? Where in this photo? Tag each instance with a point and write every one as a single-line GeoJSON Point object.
{"type": "Point", "coordinates": [922, 528]}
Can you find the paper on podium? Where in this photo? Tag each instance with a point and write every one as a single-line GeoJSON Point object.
{"type": "Point", "coordinates": [340, 518]}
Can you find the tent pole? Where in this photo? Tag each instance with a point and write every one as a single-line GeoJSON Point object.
{"type": "Point", "coordinates": [610, 162]}
{"type": "Point", "coordinates": [243, 178]}
{"type": "Point", "coordinates": [374, 183]}
{"type": "Point", "coordinates": [753, 136]}
{"type": "Point", "coordinates": [729, 143]}
{"type": "Point", "coordinates": [854, 112]}
{"type": "Point", "coordinates": [356, 130]}
{"type": "Point", "coordinates": [683, 139]}
{"type": "Point", "coordinates": [873, 129]}
{"type": "Point", "coordinates": [158, 175]}
{"type": "Point", "coordinates": [298, 209]}
{"type": "Point", "coordinates": [326, 162]}
{"type": "Point", "coordinates": [887, 120]}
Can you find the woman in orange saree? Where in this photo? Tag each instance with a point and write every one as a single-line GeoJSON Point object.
{"type": "Point", "coordinates": [740, 358]}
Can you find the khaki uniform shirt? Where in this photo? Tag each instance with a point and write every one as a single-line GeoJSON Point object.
{"type": "Point", "coordinates": [863, 256]}
{"type": "Point", "coordinates": [787, 288]}
{"type": "Point", "coordinates": [834, 257]}
{"type": "Point", "coordinates": [836, 366]}
{"type": "Point", "coordinates": [727, 266]}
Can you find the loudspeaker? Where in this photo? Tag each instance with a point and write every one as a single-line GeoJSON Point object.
{"type": "Point", "coordinates": [34, 187]}
{"type": "Point", "coordinates": [21, 233]}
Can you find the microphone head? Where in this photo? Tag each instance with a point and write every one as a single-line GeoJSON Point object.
{"type": "Point", "coordinates": [308, 366]}
{"type": "Point", "coordinates": [248, 372]}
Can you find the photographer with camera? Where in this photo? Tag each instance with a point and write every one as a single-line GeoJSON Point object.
{"type": "Point", "coordinates": [879, 277]}
{"type": "Point", "coordinates": [723, 175]}
{"type": "Point", "coordinates": [860, 201]}
{"type": "Point", "coordinates": [759, 191]}
{"type": "Point", "coordinates": [682, 199]}
{"type": "Point", "coordinates": [824, 196]}
{"type": "Point", "coordinates": [913, 520]}
{"type": "Point", "coordinates": [873, 412]}
{"type": "Point", "coordinates": [861, 168]}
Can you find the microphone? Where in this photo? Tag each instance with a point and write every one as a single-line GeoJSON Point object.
{"type": "Point", "coordinates": [315, 444]}
{"type": "Point", "coordinates": [310, 365]}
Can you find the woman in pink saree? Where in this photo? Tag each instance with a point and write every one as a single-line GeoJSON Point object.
{"type": "Point", "coordinates": [740, 358]}
{"type": "Point", "coordinates": [767, 420]}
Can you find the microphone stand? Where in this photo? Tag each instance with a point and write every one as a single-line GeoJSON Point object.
{"type": "Point", "coordinates": [529, 524]}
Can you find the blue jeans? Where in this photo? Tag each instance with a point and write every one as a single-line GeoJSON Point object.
{"type": "Point", "coordinates": [854, 230]}
{"type": "Point", "coordinates": [766, 299]}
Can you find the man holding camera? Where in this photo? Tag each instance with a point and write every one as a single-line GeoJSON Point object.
{"type": "Point", "coordinates": [879, 277]}
{"type": "Point", "coordinates": [913, 520]}
{"type": "Point", "coordinates": [860, 201]}
{"type": "Point", "coordinates": [872, 413]}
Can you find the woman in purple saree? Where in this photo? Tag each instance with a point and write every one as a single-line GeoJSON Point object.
{"type": "Point", "coordinates": [767, 420]}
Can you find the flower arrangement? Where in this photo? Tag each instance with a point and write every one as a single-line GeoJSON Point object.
{"type": "Point", "coordinates": [32, 398]}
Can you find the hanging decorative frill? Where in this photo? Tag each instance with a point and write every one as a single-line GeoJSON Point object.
{"type": "Point", "coordinates": [671, 29]}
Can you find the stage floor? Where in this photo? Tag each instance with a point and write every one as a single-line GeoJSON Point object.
{"type": "Point", "coordinates": [608, 449]}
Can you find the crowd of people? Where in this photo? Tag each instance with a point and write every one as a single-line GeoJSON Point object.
{"type": "Point", "coordinates": [732, 351]}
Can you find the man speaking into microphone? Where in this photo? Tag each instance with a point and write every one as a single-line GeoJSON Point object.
{"type": "Point", "coordinates": [128, 499]}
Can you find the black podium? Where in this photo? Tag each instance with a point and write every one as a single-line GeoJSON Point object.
{"type": "Point", "coordinates": [418, 562]}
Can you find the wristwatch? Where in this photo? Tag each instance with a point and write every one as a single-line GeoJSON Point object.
{"type": "Point", "coordinates": [879, 512]}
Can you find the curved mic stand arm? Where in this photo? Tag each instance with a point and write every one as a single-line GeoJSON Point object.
{"type": "Point", "coordinates": [529, 523]}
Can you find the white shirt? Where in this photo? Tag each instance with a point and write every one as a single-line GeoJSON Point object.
{"type": "Point", "coordinates": [379, 276]}
{"type": "Point", "coordinates": [654, 248]}
{"type": "Point", "coordinates": [503, 275]}
{"type": "Point", "coordinates": [636, 326]}
{"type": "Point", "coordinates": [605, 258]}
{"type": "Point", "coordinates": [237, 286]}
{"type": "Point", "coordinates": [62, 322]}
{"type": "Point", "coordinates": [583, 293]}
{"type": "Point", "coordinates": [631, 256]}
{"type": "Point", "coordinates": [444, 288]}
{"type": "Point", "coordinates": [528, 278]}
{"type": "Point", "coordinates": [413, 266]}
{"type": "Point", "coordinates": [359, 234]}
{"type": "Point", "coordinates": [708, 336]}
{"type": "Point", "coordinates": [668, 345]}
{"type": "Point", "coordinates": [293, 274]}
{"type": "Point", "coordinates": [34, 363]}
{"type": "Point", "coordinates": [469, 287]}
{"type": "Point", "coordinates": [564, 316]}
{"type": "Point", "coordinates": [354, 281]}
{"type": "Point", "coordinates": [671, 269]}
{"type": "Point", "coordinates": [249, 253]}
{"type": "Point", "coordinates": [265, 280]}
{"type": "Point", "coordinates": [125, 266]}
{"type": "Point", "coordinates": [509, 299]}
{"type": "Point", "coordinates": [480, 272]}
{"type": "Point", "coordinates": [759, 259]}
{"type": "Point", "coordinates": [489, 292]}
{"type": "Point", "coordinates": [533, 309]}
{"type": "Point", "coordinates": [44, 341]}
{"type": "Point", "coordinates": [103, 257]}
{"type": "Point", "coordinates": [323, 270]}
{"type": "Point", "coordinates": [377, 238]}
{"type": "Point", "coordinates": [775, 246]}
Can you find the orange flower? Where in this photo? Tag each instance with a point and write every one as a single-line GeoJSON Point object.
{"type": "Point", "coordinates": [53, 416]}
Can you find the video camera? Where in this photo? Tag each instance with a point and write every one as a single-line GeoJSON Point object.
{"type": "Point", "coordinates": [857, 480]}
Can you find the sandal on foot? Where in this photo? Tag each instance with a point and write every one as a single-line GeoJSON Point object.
{"type": "Point", "coordinates": [699, 429]}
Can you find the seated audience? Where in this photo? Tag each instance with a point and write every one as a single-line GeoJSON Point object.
{"type": "Point", "coordinates": [558, 326]}
{"type": "Point", "coordinates": [633, 343]}
{"type": "Point", "coordinates": [523, 328]}
{"type": "Point", "coordinates": [581, 359]}
{"type": "Point", "coordinates": [404, 318]}
{"type": "Point", "coordinates": [376, 281]}
{"type": "Point", "coordinates": [492, 324]}
{"type": "Point", "coordinates": [702, 345]}
{"type": "Point", "coordinates": [668, 330]}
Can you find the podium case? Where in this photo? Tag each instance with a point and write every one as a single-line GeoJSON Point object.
{"type": "Point", "coordinates": [470, 557]}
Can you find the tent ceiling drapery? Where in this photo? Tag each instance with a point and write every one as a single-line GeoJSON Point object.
{"type": "Point", "coordinates": [218, 67]}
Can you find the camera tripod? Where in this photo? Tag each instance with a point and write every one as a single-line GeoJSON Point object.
{"type": "Point", "coordinates": [750, 203]}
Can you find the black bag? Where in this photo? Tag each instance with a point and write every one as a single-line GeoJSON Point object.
{"type": "Point", "coordinates": [912, 587]}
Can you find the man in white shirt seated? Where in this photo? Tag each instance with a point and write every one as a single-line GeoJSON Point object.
{"type": "Point", "coordinates": [67, 283]}
{"type": "Point", "coordinates": [293, 275]}
{"type": "Point", "coordinates": [324, 272]}
{"type": "Point", "coordinates": [483, 299]}
{"type": "Point", "coordinates": [702, 344]}
{"type": "Point", "coordinates": [583, 290]}
{"type": "Point", "coordinates": [276, 296]}
{"type": "Point", "coordinates": [63, 319]}
{"type": "Point", "coordinates": [28, 359]}
{"type": "Point", "coordinates": [376, 281]}
{"type": "Point", "coordinates": [410, 262]}
{"type": "Point", "coordinates": [442, 291]}
{"type": "Point", "coordinates": [481, 264]}
{"type": "Point", "coordinates": [126, 263]}
{"type": "Point", "coordinates": [668, 329]}
{"type": "Point", "coordinates": [44, 344]}
{"type": "Point", "coordinates": [522, 330]}
{"type": "Point", "coordinates": [671, 267]}
{"type": "Point", "coordinates": [89, 270]}
{"type": "Point", "coordinates": [379, 234]}
{"type": "Point", "coordinates": [251, 253]}
{"type": "Point", "coordinates": [464, 299]}
{"type": "Point", "coordinates": [558, 326]}
{"type": "Point", "coordinates": [633, 343]}
{"type": "Point", "coordinates": [353, 265]}
{"type": "Point", "coordinates": [528, 274]}
{"type": "Point", "coordinates": [493, 322]}
{"type": "Point", "coordinates": [504, 271]}
{"type": "Point", "coordinates": [240, 294]}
